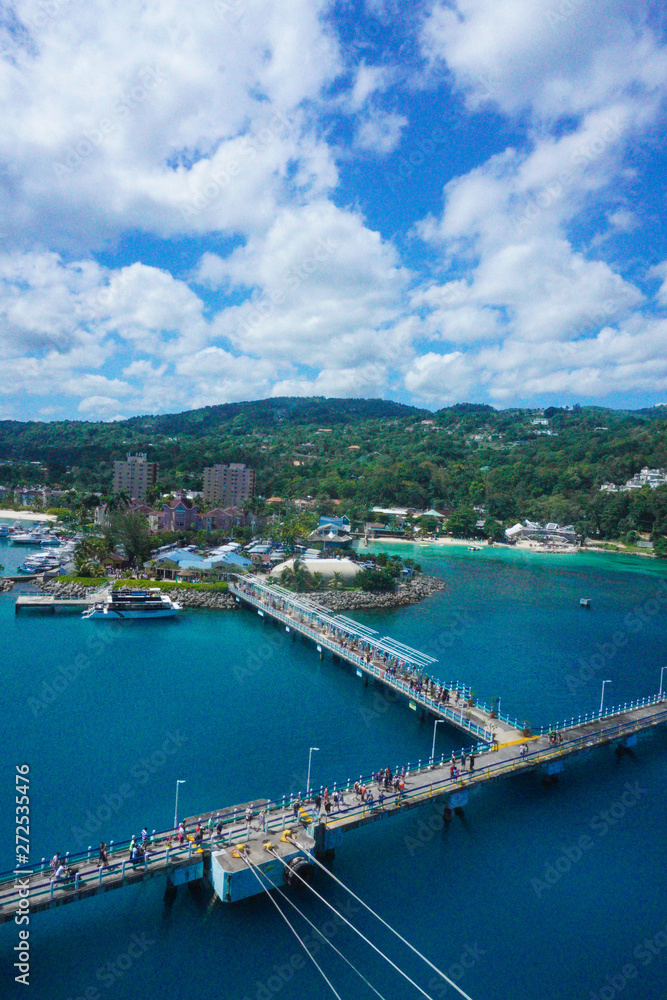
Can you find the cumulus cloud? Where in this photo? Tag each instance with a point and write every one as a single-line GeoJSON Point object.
{"type": "Point", "coordinates": [183, 221]}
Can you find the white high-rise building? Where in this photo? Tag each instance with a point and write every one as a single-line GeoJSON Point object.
{"type": "Point", "coordinates": [228, 485]}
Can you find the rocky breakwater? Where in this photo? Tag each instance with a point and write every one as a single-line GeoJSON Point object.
{"type": "Point", "coordinates": [211, 599]}
{"type": "Point", "coordinates": [186, 597]}
{"type": "Point", "coordinates": [5, 585]}
{"type": "Point", "coordinates": [410, 592]}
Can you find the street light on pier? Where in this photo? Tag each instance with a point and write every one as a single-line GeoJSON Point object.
{"type": "Point", "coordinates": [178, 782]}
{"type": "Point", "coordinates": [662, 670]}
{"type": "Point", "coordinates": [602, 696]}
{"type": "Point", "coordinates": [310, 757]}
{"type": "Point", "coordinates": [434, 731]}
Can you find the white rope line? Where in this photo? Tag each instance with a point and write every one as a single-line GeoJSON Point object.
{"type": "Point", "coordinates": [322, 935]}
{"type": "Point", "coordinates": [356, 930]}
{"type": "Point", "coordinates": [294, 932]}
{"type": "Point", "coordinates": [389, 927]}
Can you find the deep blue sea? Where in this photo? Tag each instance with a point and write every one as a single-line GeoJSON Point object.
{"type": "Point", "coordinates": [538, 893]}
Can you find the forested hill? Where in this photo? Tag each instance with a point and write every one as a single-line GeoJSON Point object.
{"type": "Point", "coordinates": [519, 463]}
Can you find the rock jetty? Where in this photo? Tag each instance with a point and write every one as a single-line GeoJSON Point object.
{"type": "Point", "coordinates": [410, 592]}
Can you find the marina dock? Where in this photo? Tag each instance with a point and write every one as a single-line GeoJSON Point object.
{"type": "Point", "coordinates": [47, 602]}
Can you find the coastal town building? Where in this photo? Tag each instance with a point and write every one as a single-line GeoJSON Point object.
{"type": "Point", "coordinates": [135, 476]}
{"type": "Point", "coordinates": [332, 534]}
{"type": "Point", "coordinates": [647, 477]}
{"type": "Point", "coordinates": [547, 533]}
{"type": "Point", "coordinates": [228, 485]}
{"type": "Point", "coordinates": [180, 514]}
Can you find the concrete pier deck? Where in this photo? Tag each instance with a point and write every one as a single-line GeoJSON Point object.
{"type": "Point", "coordinates": [428, 784]}
{"type": "Point", "coordinates": [47, 602]}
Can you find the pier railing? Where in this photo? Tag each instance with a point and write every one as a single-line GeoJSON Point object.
{"type": "Point", "coordinates": [607, 713]}
{"type": "Point", "coordinates": [162, 850]}
{"type": "Point", "coordinates": [456, 715]}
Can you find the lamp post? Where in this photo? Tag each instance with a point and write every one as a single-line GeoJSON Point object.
{"type": "Point", "coordinates": [178, 782]}
{"type": "Point", "coordinates": [310, 757]}
{"type": "Point", "coordinates": [662, 670]}
{"type": "Point", "coordinates": [434, 731]}
{"type": "Point", "coordinates": [602, 696]}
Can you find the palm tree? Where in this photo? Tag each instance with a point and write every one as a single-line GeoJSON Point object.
{"type": "Point", "coordinates": [118, 501]}
{"type": "Point", "coordinates": [337, 581]}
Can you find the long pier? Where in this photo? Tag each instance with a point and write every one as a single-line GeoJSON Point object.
{"type": "Point", "coordinates": [398, 666]}
{"type": "Point", "coordinates": [222, 844]}
{"type": "Point", "coordinates": [47, 602]}
{"type": "Point", "coordinates": [280, 822]}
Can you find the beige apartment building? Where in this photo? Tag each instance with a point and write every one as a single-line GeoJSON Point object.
{"type": "Point", "coordinates": [228, 485]}
{"type": "Point", "coordinates": [135, 476]}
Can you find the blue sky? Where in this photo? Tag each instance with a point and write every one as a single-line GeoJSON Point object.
{"type": "Point", "coordinates": [433, 202]}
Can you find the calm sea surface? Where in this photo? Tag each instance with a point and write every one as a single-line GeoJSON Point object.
{"type": "Point", "coordinates": [538, 892]}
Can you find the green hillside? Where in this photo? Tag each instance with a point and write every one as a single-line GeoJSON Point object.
{"type": "Point", "coordinates": [517, 463]}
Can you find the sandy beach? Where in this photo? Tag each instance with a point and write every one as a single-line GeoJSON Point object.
{"type": "Point", "coordinates": [19, 515]}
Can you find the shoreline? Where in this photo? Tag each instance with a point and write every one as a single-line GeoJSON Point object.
{"type": "Point", "coordinates": [17, 515]}
{"type": "Point", "coordinates": [421, 587]}
{"type": "Point", "coordinates": [524, 546]}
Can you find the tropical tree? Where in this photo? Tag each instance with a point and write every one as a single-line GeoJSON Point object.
{"type": "Point", "coordinates": [130, 530]}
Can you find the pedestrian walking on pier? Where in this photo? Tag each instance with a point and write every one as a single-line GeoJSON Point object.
{"type": "Point", "coordinates": [472, 762]}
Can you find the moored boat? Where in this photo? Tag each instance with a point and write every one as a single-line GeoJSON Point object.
{"type": "Point", "coordinates": [133, 604]}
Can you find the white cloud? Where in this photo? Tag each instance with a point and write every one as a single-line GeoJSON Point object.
{"type": "Point", "coordinates": [147, 104]}
{"type": "Point", "coordinates": [552, 60]}
{"type": "Point", "coordinates": [324, 287]}
{"type": "Point", "coordinates": [380, 131]}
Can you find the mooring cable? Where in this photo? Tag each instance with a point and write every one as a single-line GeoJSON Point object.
{"type": "Point", "coordinates": [294, 932]}
{"type": "Point", "coordinates": [389, 927]}
{"type": "Point", "coordinates": [355, 929]}
{"type": "Point", "coordinates": [322, 935]}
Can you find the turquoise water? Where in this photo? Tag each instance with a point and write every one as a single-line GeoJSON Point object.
{"type": "Point", "coordinates": [238, 705]}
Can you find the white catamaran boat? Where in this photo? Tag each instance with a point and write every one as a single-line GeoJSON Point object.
{"type": "Point", "coordinates": [125, 605]}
